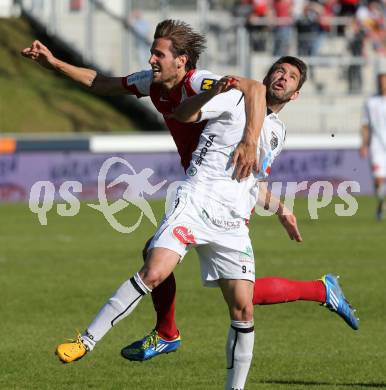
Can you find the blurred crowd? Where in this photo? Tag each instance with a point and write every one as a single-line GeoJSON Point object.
{"type": "Point", "coordinates": [298, 27]}
{"type": "Point", "coordinates": [303, 27]}
{"type": "Point", "coordinates": [310, 21]}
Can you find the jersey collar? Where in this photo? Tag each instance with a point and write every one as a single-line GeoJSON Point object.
{"type": "Point", "coordinates": [271, 113]}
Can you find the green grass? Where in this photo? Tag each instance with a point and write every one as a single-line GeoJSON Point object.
{"type": "Point", "coordinates": [34, 100]}
{"type": "Point", "coordinates": [53, 279]}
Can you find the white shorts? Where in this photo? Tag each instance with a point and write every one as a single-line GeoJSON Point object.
{"type": "Point", "coordinates": [378, 160]}
{"type": "Point", "coordinates": [220, 239]}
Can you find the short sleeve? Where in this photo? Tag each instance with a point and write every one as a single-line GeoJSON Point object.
{"type": "Point", "coordinates": [138, 83]}
{"type": "Point", "coordinates": [203, 81]}
{"type": "Point", "coordinates": [270, 145]}
{"type": "Point", "coordinates": [223, 102]}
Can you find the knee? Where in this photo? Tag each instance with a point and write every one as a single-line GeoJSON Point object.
{"type": "Point", "coordinates": [151, 277]}
{"type": "Point", "coordinates": [242, 312]}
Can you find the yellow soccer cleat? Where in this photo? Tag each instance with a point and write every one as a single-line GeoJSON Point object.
{"type": "Point", "coordinates": [69, 352]}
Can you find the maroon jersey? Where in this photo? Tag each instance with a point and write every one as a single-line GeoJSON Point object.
{"type": "Point", "coordinates": [185, 135]}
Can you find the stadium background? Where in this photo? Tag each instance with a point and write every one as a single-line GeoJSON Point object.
{"type": "Point", "coordinates": [50, 129]}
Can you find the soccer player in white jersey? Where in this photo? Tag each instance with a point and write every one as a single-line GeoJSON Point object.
{"type": "Point", "coordinates": [210, 213]}
{"type": "Point", "coordinates": [374, 140]}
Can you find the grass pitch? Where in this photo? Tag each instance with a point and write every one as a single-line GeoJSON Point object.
{"type": "Point", "coordinates": [54, 278]}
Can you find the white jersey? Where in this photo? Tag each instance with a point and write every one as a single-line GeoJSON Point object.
{"type": "Point", "coordinates": [210, 171]}
{"type": "Point", "coordinates": [210, 209]}
{"type": "Point", "coordinates": [374, 116]}
{"type": "Point", "coordinates": [223, 118]}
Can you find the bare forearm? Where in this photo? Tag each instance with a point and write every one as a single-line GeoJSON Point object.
{"type": "Point", "coordinates": [365, 135]}
{"type": "Point", "coordinates": [40, 54]}
{"type": "Point", "coordinates": [189, 109]}
{"type": "Point", "coordinates": [255, 109]}
{"type": "Point", "coordinates": [82, 76]}
{"type": "Point", "coordinates": [269, 201]}
{"type": "Point", "coordinates": [97, 83]}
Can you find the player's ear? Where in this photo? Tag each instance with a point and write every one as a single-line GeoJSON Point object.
{"type": "Point", "coordinates": [182, 60]}
{"type": "Point", "coordinates": [294, 95]}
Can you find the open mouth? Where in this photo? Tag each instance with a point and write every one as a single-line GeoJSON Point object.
{"type": "Point", "coordinates": [278, 86]}
{"type": "Point", "coordinates": [156, 71]}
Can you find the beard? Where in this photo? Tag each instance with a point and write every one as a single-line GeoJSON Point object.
{"type": "Point", "coordinates": [277, 97]}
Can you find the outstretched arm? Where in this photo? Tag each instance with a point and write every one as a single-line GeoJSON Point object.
{"type": "Point", "coordinates": [286, 217]}
{"type": "Point", "coordinates": [99, 84]}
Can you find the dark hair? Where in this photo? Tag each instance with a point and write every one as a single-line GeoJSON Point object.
{"type": "Point", "coordinates": [184, 40]}
{"type": "Point", "coordinates": [302, 67]}
{"type": "Point", "coordinates": [380, 74]}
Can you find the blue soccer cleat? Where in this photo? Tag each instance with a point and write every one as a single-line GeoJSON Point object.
{"type": "Point", "coordinates": [150, 346]}
{"type": "Point", "coordinates": [337, 302]}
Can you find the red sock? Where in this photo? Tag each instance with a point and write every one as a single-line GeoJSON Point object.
{"type": "Point", "coordinates": [164, 300]}
{"type": "Point", "coordinates": [271, 290]}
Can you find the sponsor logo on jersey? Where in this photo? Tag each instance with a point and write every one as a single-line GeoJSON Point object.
{"type": "Point", "coordinates": [191, 171]}
{"type": "Point", "coordinates": [226, 224]}
{"type": "Point", "coordinates": [204, 149]}
{"type": "Point", "coordinates": [207, 84]}
{"type": "Point", "coordinates": [274, 141]}
{"type": "Point", "coordinates": [184, 235]}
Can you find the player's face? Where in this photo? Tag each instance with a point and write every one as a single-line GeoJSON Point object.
{"type": "Point", "coordinates": [165, 67]}
{"type": "Point", "coordinates": [283, 84]}
{"type": "Point", "coordinates": [382, 84]}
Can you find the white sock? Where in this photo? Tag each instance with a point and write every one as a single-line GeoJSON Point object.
{"type": "Point", "coordinates": [239, 350]}
{"type": "Point", "coordinates": [119, 306]}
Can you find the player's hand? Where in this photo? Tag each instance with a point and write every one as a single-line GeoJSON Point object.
{"type": "Point", "coordinates": [244, 160]}
{"type": "Point", "coordinates": [364, 151]}
{"type": "Point", "coordinates": [225, 84]}
{"type": "Point", "coordinates": [288, 220]}
{"type": "Point", "coordinates": [40, 54]}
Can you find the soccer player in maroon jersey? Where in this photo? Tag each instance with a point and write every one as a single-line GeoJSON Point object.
{"type": "Point", "coordinates": [173, 78]}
